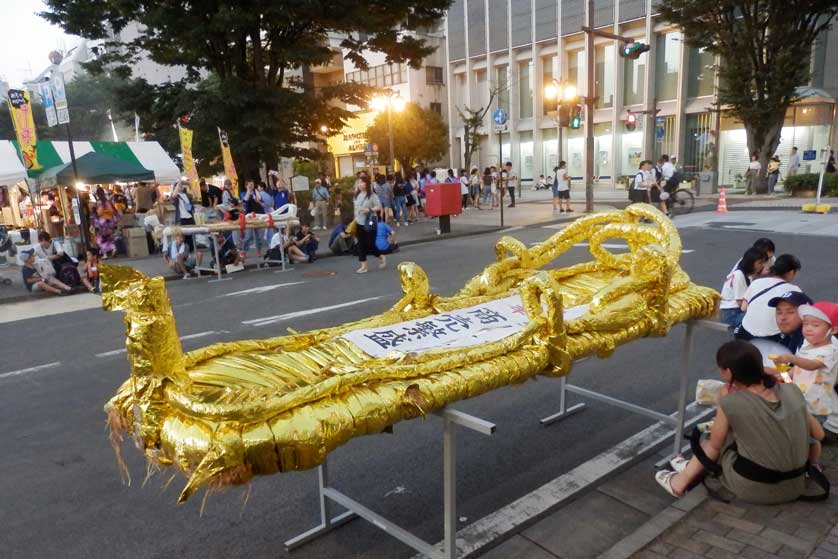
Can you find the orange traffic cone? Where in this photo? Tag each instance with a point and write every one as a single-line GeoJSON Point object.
{"type": "Point", "coordinates": [722, 207]}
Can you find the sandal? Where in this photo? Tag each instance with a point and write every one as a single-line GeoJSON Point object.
{"type": "Point", "coordinates": [362, 270]}
{"type": "Point", "coordinates": [664, 479]}
{"type": "Point", "coordinates": [679, 464]}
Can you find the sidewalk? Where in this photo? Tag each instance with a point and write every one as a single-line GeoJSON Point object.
{"type": "Point", "coordinates": [630, 516]}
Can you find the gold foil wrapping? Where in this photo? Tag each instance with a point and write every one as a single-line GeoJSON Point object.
{"type": "Point", "coordinates": [229, 411]}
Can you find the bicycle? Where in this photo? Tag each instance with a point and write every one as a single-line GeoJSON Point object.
{"type": "Point", "coordinates": [680, 202]}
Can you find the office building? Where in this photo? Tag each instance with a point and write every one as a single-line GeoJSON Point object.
{"type": "Point", "coordinates": [517, 47]}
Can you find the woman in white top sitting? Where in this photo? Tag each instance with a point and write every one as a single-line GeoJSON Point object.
{"type": "Point", "coordinates": [760, 319]}
{"type": "Point", "coordinates": [733, 290]}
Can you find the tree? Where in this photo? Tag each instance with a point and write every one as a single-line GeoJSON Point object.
{"type": "Point", "coordinates": [419, 135]}
{"type": "Point", "coordinates": [246, 61]}
{"type": "Point", "coordinates": [765, 47]}
{"type": "Point", "coordinates": [472, 123]}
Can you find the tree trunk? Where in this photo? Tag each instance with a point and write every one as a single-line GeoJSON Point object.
{"type": "Point", "coordinates": [764, 145]}
{"type": "Point", "coordinates": [467, 151]}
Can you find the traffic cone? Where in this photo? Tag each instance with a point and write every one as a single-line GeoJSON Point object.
{"type": "Point", "coordinates": [722, 207]}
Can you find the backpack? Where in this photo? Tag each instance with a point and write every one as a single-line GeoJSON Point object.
{"type": "Point", "coordinates": [69, 275]}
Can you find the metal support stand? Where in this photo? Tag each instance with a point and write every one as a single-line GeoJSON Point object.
{"type": "Point", "coordinates": [444, 224]}
{"type": "Point", "coordinates": [451, 419]}
{"type": "Point", "coordinates": [215, 252]}
{"type": "Point", "coordinates": [676, 421]}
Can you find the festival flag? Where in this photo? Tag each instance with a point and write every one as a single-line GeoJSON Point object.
{"type": "Point", "coordinates": [229, 166]}
{"type": "Point", "coordinates": [20, 108]}
{"type": "Point", "coordinates": [188, 163]}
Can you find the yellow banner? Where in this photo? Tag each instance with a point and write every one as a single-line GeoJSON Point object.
{"type": "Point", "coordinates": [20, 108]}
{"type": "Point", "coordinates": [229, 166]}
{"type": "Point", "coordinates": [188, 163]}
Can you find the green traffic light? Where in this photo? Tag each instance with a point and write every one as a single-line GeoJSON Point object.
{"type": "Point", "coordinates": [576, 122]}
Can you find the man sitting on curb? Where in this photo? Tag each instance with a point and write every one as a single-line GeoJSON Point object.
{"type": "Point", "coordinates": [33, 280]}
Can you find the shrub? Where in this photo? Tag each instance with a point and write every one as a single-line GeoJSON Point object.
{"type": "Point", "coordinates": [809, 181]}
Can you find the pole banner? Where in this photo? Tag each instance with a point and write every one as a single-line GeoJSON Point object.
{"type": "Point", "coordinates": [20, 108]}
{"type": "Point", "coordinates": [188, 163]}
{"type": "Point", "coordinates": [229, 166]}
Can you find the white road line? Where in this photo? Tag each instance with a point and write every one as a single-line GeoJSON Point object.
{"type": "Point", "coordinates": [263, 289]}
{"type": "Point", "coordinates": [30, 370]}
{"type": "Point", "coordinates": [280, 317]}
{"type": "Point", "coordinates": [111, 353]}
{"type": "Point", "coordinates": [187, 337]}
{"type": "Point", "coordinates": [624, 247]}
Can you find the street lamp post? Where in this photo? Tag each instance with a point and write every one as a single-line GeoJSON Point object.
{"type": "Point", "coordinates": [563, 93]}
{"type": "Point", "coordinates": [391, 101]}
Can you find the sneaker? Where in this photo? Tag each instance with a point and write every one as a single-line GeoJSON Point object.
{"type": "Point", "coordinates": [398, 224]}
{"type": "Point", "coordinates": [187, 276]}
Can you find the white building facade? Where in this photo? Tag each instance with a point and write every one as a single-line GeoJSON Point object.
{"type": "Point", "coordinates": [520, 46]}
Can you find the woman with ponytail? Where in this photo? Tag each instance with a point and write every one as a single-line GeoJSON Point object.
{"type": "Point", "coordinates": [759, 440]}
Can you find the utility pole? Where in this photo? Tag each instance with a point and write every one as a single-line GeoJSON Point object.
{"type": "Point", "coordinates": [589, 109]}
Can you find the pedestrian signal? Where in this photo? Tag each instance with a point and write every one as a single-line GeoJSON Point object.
{"type": "Point", "coordinates": [576, 117]}
{"type": "Point", "coordinates": [631, 121]}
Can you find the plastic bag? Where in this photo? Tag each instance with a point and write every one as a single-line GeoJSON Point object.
{"type": "Point", "coordinates": [707, 392]}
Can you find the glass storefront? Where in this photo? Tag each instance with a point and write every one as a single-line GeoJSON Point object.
{"type": "Point", "coordinates": [665, 141]}
{"type": "Point", "coordinates": [525, 85]}
{"type": "Point", "coordinates": [603, 163]}
{"type": "Point", "coordinates": [574, 151]}
{"type": "Point", "coordinates": [549, 153]}
{"type": "Point", "coordinates": [698, 143]}
{"type": "Point", "coordinates": [604, 76]}
{"type": "Point", "coordinates": [702, 71]}
{"type": "Point", "coordinates": [525, 156]}
{"type": "Point", "coordinates": [667, 62]}
{"type": "Point", "coordinates": [635, 80]}
{"type": "Point", "coordinates": [631, 149]}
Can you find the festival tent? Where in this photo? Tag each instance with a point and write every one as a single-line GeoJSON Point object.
{"type": "Point", "coordinates": [94, 167]}
{"type": "Point", "coordinates": [12, 170]}
{"type": "Point", "coordinates": [149, 155]}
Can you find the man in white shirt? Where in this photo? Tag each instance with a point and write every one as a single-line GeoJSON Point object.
{"type": "Point", "coordinates": [511, 183]}
{"type": "Point", "coordinates": [794, 162]}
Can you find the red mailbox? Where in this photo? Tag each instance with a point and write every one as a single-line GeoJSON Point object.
{"type": "Point", "coordinates": [443, 199]}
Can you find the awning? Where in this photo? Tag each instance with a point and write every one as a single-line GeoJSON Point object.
{"type": "Point", "coordinates": [12, 170]}
{"type": "Point", "coordinates": [149, 155]}
{"type": "Point", "coordinates": [813, 95]}
{"type": "Point", "coordinates": [95, 167]}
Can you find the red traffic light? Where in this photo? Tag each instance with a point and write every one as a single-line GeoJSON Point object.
{"type": "Point", "coordinates": [631, 121]}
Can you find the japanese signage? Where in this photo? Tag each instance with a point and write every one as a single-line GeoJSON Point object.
{"type": "Point", "coordinates": [59, 95]}
{"type": "Point", "coordinates": [188, 163]}
{"type": "Point", "coordinates": [487, 322]}
{"type": "Point", "coordinates": [20, 109]}
{"type": "Point", "coordinates": [49, 105]}
{"type": "Point", "coordinates": [227, 156]}
{"type": "Point", "coordinates": [353, 137]}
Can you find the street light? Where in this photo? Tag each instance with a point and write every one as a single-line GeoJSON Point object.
{"type": "Point", "coordinates": [565, 96]}
{"type": "Point", "coordinates": [324, 128]}
{"type": "Point", "coordinates": [391, 101]}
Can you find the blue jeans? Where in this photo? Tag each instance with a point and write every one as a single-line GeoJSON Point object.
{"type": "Point", "coordinates": [400, 208]}
{"type": "Point", "coordinates": [732, 317]}
{"type": "Point", "coordinates": [256, 236]}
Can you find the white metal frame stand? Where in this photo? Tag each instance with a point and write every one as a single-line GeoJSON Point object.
{"type": "Point", "coordinates": [215, 251]}
{"type": "Point", "coordinates": [676, 421]}
{"type": "Point", "coordinates": [451, 419]}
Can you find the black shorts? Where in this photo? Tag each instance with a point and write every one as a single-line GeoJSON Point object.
{"type": "Point", "coordinates": [639, 196]}
{"type": "Point", "coordinates": [655, 194]}
{"type": "Point", "coordinates": [563, 194]}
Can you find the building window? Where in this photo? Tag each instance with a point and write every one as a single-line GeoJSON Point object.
{"type": "Point", "coordinates": [604, 75]}
{"type": "Point", "coordinates": [576, 70]}
{"type": "Point", "coordinates": [549, 71]}
{"type": "Point", "coordinates": [384, 75]}
{"type": "Point", "coordinates": [667, 63]}
{"type": "Point", "coordinates": [502, 83]}
{"type": "Point", "coordinates": [525, 78]}
{"type": "Point", "coordinates": [634, 80]}
{"type": "Point", "coordinates": [698, 142]}
{"type": "Point", "coordinates": [665, 141]}
{"type": "Point", "coordinates": [437, 108]}
{"type": "Point", "coordinates": [433, 75]}
{"type": "Point", "coordinates": [701, 74]}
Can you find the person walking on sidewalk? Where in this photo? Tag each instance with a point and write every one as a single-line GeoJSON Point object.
{"type": "Point", "coordinates": [773, 173]}
{"type": "Point", "coordinates": [759, 440]}
{"type": "Point", "coordinates": [561, 188]}
{"type": "Point", "coordinates": [486, 189]}
{"type": "Point", "coordinates": [321, 205]}
{"type": "Point", "coordinates": [510, 183]}
{"type": "Point", "coordinates": [474, 187]}
{"type": "Point", "coordinates": [794, 162]}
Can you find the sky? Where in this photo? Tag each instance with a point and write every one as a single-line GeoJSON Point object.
{"type": "Point", "coordinates": [26, 40]}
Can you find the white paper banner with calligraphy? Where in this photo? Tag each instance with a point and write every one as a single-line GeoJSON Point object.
{"type": "Point", "coordinates": [487, 322]}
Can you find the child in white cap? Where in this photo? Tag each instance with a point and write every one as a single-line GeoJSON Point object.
{"type": "Point", "coordinates": [815, 364]}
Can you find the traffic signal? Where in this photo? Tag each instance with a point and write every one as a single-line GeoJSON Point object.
{"type": "Point", "coordinates": [565, 112]}
{"type": "Point", "coordinates": [631, 121]}
{"type": "Point", "coordinates": [634, 50]}
{"type": "Point", "coordinates": [576, 117]}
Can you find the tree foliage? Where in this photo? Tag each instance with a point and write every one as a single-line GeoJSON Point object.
{"type": "Point", "coordinates": [419, 135]}
{"type": "Point", "coordinates": [765, 48]}
{"type": "Point", "coordinates": [246, 59]}
{"type": "Point", "coordinates": [472, 125]}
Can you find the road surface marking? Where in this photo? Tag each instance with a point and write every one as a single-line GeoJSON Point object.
{"type": "Point", "coordinates": [187, 337]}
{"type": "Point", "coordinates": [263, 289]}
{"type": "Point", "coordinates": [608, 245]}
{"type": "Point", "coordinates": [30, 370]}
{"type": "Point", "coordinates": [280, 317]}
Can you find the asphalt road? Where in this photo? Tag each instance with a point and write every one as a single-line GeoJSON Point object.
{"type": "Point", "coordinates": [61, 496]}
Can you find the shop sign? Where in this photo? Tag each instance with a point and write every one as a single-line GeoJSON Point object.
{"type": "Point", "coordinates": [810, 155]}
{"type": "Point", "coordinates": [59, 95]}
{"type": "Point", "coordinates": [299, 183]}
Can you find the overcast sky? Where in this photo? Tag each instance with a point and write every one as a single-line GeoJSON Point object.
{"type": "Point", "coordinates": [26, 40]}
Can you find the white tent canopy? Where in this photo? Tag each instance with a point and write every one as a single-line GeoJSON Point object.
{"type": "Point", "coordinates": [12, 170]}
{"type": "Point", "coordinates": [152, 156]}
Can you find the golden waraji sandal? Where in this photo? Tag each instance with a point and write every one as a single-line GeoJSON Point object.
{"type": "Point", "coordinates": [232, 410]}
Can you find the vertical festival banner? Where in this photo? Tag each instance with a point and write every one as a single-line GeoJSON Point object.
{"type": "Point", "coordinates": [186, 153]}
{"type": "Point", "coordinates": [229, 166]}
{"type": "Point", "coordinates": [20, 109]}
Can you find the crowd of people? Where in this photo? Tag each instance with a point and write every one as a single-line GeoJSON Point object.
{"type": "Point", "coordinates": [779, 402]}
{"type": "Point", "coordinates": [654, 183]}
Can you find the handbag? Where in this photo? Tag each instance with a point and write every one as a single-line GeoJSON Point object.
{"type": "Point", "coordinates": [370, 222]}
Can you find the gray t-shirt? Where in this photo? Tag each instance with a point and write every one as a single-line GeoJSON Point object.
{"type": "Point", "coordinates": [362, 201]}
